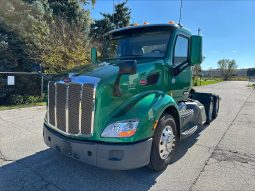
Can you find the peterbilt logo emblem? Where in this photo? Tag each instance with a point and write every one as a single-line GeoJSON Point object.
{"type": "Point", "coordinates": [67, 80]}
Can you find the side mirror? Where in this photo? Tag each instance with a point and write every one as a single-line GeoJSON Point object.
{"type": "Point", "coordinates": [94, 55]}
{"type": "Point", "coordinates": [196, 50]}
{"type": "Point", "coordinates": [127, 67]}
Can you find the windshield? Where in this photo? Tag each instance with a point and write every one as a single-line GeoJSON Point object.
{"type": "Point", "coordinates": [145, 44]}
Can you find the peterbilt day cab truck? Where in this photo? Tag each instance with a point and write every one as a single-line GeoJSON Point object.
{"type": "Point", "coordinates": [129, 109]}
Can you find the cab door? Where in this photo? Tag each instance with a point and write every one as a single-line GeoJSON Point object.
{"type": "Point", "coordinates": [180, 72]}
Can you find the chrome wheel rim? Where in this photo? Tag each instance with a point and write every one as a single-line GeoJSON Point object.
{"type": "Point", "coordinates": [166, 143]}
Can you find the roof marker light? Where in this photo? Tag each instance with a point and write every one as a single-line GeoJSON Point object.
{"type": "Point", "coordinates": [171, 22]}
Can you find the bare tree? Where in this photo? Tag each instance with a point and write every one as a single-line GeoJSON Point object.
{"type": "Point", "coordinates": [227, 67]}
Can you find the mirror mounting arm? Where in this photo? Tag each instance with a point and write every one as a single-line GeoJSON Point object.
{"type": "Point", "coordinates": [116, 88]}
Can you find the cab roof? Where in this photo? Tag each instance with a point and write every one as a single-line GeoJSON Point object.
{"type": "Point", "coordinates": [148, 27]}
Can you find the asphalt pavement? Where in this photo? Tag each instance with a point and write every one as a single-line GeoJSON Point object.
{"type": "Point", "coordinates": [220, 156]}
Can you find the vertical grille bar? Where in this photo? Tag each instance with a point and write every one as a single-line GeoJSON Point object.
{"type": "Point", "coordinates": [61, 106]}
{"type": "Point", "coordinates": [71, 107]}
{"type": "Point", "coordinates": [87, 106]}
{"type": "Point", "coordinates": [74, 99]}
{"type": "Point", "coordinates": [67, 113]}
{"type": "Point", "coordinates": [51, 103]}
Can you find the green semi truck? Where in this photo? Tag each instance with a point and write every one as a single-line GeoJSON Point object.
{"type": "Point", "coordinates": [132, 107]}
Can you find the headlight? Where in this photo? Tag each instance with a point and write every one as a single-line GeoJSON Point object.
{"type": "Point", "coordinates": [126, 128]}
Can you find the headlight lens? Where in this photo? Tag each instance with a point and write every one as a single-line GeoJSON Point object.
{"type": "Point", "coordinates": [126, 128]}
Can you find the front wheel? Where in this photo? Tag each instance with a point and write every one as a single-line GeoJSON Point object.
{"type": "Point", "coordinates": [164, 141]}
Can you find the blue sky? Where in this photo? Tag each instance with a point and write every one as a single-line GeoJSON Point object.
{"type": "Point", "coordinates": [228, 27]}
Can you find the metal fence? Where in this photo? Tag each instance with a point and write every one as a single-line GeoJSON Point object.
{"type": "Point", "coordinates": [251, 80]}
{"type": "Point", "coordinates": [21, 83]}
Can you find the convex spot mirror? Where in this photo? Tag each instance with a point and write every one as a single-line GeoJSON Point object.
{"type": "Point", "coordinates": [196, 50]}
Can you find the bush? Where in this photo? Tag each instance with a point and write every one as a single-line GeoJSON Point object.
{"type": "Point", "coordinates": [30, 99]}
{"type": "Point", "coordinates": [15, 99]}
{"type": "Point", "coordinates": [43, 98]}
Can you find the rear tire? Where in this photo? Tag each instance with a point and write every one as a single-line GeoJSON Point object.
{"type": "Point", "coordinates": [209, 111]}
{"type": "Point", "coordinates": [164, 141]}
{"type": "Point", "coordinates": [216, 107]}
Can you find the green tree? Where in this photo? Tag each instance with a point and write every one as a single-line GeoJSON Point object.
{"type": "Point", "coordinates": [70, 10]}
{"type": "Point", "coordinates": [51, 32]}
{"type": "Point", "coordinates": [122, 15]}
{"type": "Point", "coordinates": [251, 72]}
{"type": "Point", "coordinates": [196, 70]}
{"type": "Point", "coordinates": [227, 67]}
{"type": "Point", "coordinates": [65, 47]}
{"type": "Point", "coordinates": [16, 19]}
{"type": "Point", "coordinates": [120, 18]}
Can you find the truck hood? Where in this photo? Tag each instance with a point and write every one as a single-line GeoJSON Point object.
{"type": "Point", "coordinates": [106, 104]}
{"type": "Point", "coordinates": [106, 70]}
{"type": "Point", "coordinates": [103, 70]}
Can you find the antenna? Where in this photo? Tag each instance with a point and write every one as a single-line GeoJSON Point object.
{"type": "Point", "coordinates": [180, 17]}
{"type": "Point", "coordinates": [113, 10]}
{"type": "Point", "coordinates": [198, 31]}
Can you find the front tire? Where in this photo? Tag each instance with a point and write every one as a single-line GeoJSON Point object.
{"type": "Point", "coordinates": [164, 141]}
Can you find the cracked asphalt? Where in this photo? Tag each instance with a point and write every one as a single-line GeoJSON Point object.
{"type": "Point", "coordinates": [220, 156]}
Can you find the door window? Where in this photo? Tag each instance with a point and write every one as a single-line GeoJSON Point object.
{"type": "Point", "coordinates": [181, 50]}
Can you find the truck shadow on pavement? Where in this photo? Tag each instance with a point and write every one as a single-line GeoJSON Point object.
{"type": "Point", "coordinates": [184, 145]}
{"type": "Point", "coordinates": [48, 170]}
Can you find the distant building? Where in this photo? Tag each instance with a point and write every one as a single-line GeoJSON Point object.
{"type": "Point", "coordinates": [218, 73]}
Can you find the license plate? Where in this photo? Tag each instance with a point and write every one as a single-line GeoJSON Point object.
{"type": "Point", "coordinates": [67, 148]}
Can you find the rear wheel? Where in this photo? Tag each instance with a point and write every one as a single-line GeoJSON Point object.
{"type": "Point", "coordinates": [216, 106]}
{"type": "Point", "coordinates": [163, 144]}
{"type": "Point", "coordinates": [209, 111]}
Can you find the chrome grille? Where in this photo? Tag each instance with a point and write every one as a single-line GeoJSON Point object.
{"type": "Point", "coordinates": [87, 108]}
{"type": "Point", "coordinates": [74, 97]}
{"type": "Point", "coordinates": [51, 103]}
{"type": "Point", "coordinates": [71, 108]}
{"type": "Point", "coordinates": [60, 95]}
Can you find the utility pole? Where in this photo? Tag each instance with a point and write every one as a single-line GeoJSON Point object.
{"type": "Point", "coordinates": [41, 80]}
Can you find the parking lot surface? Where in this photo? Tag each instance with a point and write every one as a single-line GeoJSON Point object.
{"type": "Point", "coordinates": [220, 156]}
